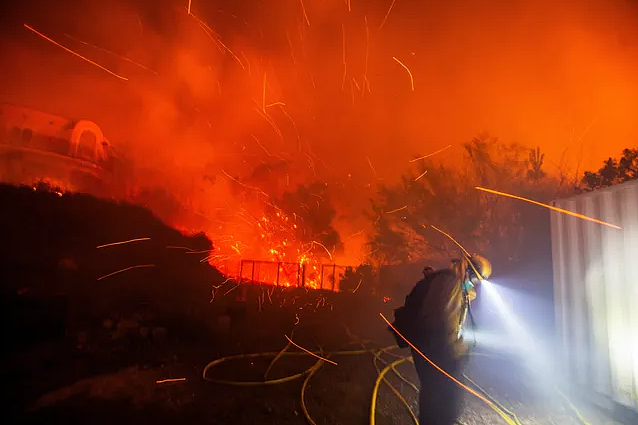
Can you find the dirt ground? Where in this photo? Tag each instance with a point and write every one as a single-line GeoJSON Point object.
{"type": "Point", "coordinates": [81, 349]}
{"type": "Point", "coordinates": [121, 381]}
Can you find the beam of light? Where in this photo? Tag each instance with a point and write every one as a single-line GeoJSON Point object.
{"type": "Point", "coordinates": [456, 381]}
{"type": "Point", "coordinates": [163, 381]}
{"type": "Point", "coordinates": [303, 8]}
{"type": "Point", "coordinates": [127, 269]}
{"type": "Point", "coordinates": [560, 210]}
{"type": "Point", "coordinates": [123, 242]}
{"type": "Point", "coordinates": [371, 167]}
{"type": "Point", "coordinates": [424, 173]}
{"type": "Point", "coordinates": [452, 239]}
{"type": "Point", "coordinates": [310, 352]}
{"type": "Point", "coordinates": [111, 53]}
{"type": "Point", "coordinates": [535, 355]}
{"type": "Point", "coordinates": [430, 154]}
{"type": "Point", "coordinates": [407, 69]}
{"type": "Point", "coordinates": [76, 54]}
{"type": "Point", "coordinates": [387, 14]}
{"type": "Point", "coordinates": [398, 209]}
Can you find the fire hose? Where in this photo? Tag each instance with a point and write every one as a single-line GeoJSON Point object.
{"type": "Point", "coordinates": [390, 366]}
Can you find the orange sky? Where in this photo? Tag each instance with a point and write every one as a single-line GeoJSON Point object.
{"type": "Point", "coordinates": [562, 77]}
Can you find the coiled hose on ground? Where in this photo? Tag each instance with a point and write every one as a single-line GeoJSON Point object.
{"type": "Point", "coordinates": [389, 366]}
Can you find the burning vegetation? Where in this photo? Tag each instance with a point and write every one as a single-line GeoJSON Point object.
{"type": "Point", "coordinates": [269, 127]}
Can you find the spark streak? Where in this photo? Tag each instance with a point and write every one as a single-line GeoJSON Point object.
{"type": "Point", "coordinates": [371, 167]}
{"type": "Point", "coordinates": [345, 67]}
{"type": "Point", "coordinates": [560, 210]}
{"type": "Point", "coordinates": [174, 379]}
{"type": "Point", "coordinates": [398, 209]}
{"type": "Point", "coordinates": [111, 53]}
{"type": "Point", "coordinates": [324, 247]}
{"type": "Point", "coordinates": [310, 352]}
{"type": "Point", "coordinates": [260, 145]}
{"type": "Point", "coordinates": [189, 6]}
{"type": "Point", "coordinates": [452, 239]}
{"type": "Point", "coordinates": [387, 14]}
{"type": "Point", "coordinates": [263, 97]}
{"type": "Point", "coordinates": [271, 122]}
{"type": "Point", "coordinates": [74, 53]}
{"type": "Point", "coordinates": [245, 185]}
{"type": "Point", "coordinates": [435, 365]}
{"type": "Point", "coordinates": [430, 154]}
{"type": "Point", "coordinates": [303, 8]}
{"type": "Point", "coordinates": [126, 269]}
{"type": "Point", "coordinates": [407, 69]}
{"type": "Point", "coordinates": [366, 83]}
{"type": "Point", "coordinates": [123, 242]}
{"type": "Point", "coordinates": [424, 173]}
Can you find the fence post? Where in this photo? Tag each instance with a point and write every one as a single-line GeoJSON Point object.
{"type": "Point", "coordinates": [241, 271]}
{"type": "Point", "coordinates": [334, 276]}
{"type": "Point", "coordinates": [298, 274]}
{"type": "Point", "coordinates": [278, 267]}
{"type": "Point", "coordinates": [303, 275]}
{"type": "Point", "coordinates": [252, 278]}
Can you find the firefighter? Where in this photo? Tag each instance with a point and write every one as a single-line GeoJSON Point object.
{"type": "Point", "coordinates": [432, 319]}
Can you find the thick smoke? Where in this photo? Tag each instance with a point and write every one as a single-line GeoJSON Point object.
{"type": "Point", "coordinates": [276, 94]}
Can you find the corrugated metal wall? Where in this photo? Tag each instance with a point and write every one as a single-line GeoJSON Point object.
{"type": "Point", "coordinates": [596, 291]}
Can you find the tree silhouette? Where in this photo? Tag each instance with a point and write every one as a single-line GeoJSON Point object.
{"type": "Point", "coordinates": [536, 173]}
{"type": "Point", "coordinates": [446, 197]}
{"type": "Point", "coordinates": [612, 172]}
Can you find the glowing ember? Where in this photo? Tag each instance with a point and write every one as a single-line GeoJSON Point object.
{"type": "Point", "coordinates": [163, 381]}
{"type": "Point", "coordinates": [74, 53]}
{"type": "Point", "coordinates": [407, 69]}
{"type": "Point", "coordinates": [127, 269]}
{"type": "Point", "coordinates": [310, 352]}
{"type": "Point", "coordinates": [123, 242]}
{"type": "Point", "coordinates": [560, 210]}
{"type": "Point", "coordinates": [428, 155]}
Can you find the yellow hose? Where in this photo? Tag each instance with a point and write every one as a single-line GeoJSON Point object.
{"type": "Point", "coordinates": [375, 391]}
{"type": "Point", "coordinates": [392, 388]}
{"type": "Point", "coordinates": [579, 415]}
{"type": "Point", "coordinates": [308, 373]}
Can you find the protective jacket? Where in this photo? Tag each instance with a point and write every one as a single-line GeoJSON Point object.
{"type": "Point", "coordinates": [434, 311]}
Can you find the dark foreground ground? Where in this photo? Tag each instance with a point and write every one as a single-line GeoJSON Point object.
{"type": "Point", "coordinates": [81, 350]}
{"type": "Point", "coordinates": [58, 383]}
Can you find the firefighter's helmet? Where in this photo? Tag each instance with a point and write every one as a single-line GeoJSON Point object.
{"type": "Point", "coordinates": [481, 266]}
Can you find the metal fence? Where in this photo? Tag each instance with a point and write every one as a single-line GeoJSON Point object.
{"type": "Point", "coordinates": [324, 276]}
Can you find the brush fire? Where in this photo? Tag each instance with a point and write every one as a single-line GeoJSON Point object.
{"type": "Point", "coordinates": [210, 165]}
